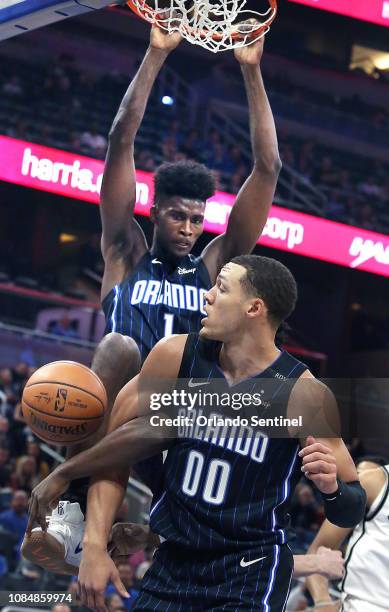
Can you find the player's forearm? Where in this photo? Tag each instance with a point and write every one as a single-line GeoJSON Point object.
{"type": "Point", "coordinates": [305, 565]}
{"type": "Point", "coordinates": [262, 127]}
{"type": "Point", "coordinates": [318, 587]}
{"type": "Point", "coordinates": [105, 496]}
{"type": "Point", "coordinates": [316, 584]}
{"type": "Point", "coordinates": [130, 444]}
{"type": "Point", "coordinates": [133, 106]}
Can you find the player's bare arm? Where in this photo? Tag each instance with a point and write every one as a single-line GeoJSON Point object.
{"type": "Point", "coordinates": [332, 536]}
{"type": "Point", "coordinates": [253, 202]}
{"type": "Point", "coordinates": [123, 242]}
{"type": "Point", "coordinates": [325, 458]}
{"type": "Point", "coordinates": [122, 447]}
{"type": "Point", "coordinates": [325, 562]}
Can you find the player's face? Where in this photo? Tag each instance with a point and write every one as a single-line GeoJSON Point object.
{"type": "Point", "coordinates": [179, 224]}
{"type": "Point", "coordinates": [227, 305]}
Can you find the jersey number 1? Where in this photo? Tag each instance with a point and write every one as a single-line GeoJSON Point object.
{"type": "Point", "coordinates": [168, 318]}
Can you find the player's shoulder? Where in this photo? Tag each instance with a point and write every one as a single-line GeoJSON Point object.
{"type": "Point", "coordinates": [170, 344]}
{"type": "Point", "coordinates": [308, 386]}
{"type": "Point", "coordinates": [165, 358]}
{"type": "Point", "coordinates": [166, 355]}
{"type": "Point", "coordinates": [373, 481]}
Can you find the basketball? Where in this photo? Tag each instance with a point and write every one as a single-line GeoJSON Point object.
{"type": "Point", "coordinates": [64, 402]}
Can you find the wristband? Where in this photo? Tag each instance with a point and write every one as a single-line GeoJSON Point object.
{"type": "Point", "coordinates": [346, 506]}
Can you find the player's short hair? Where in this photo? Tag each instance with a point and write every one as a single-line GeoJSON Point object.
{"type": "Point", "coordinates": [187, 179]}
{"type": "Point", "coordinates": [271, 281]}
{"type": "Point", "coordinates": [378, 459]}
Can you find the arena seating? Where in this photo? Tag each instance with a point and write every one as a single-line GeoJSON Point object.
{"type": "Point", "coordinates": [61, 107]}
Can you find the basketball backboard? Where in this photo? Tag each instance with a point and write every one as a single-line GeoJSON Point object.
{"type": "Point", "coordinates": [19, 16]}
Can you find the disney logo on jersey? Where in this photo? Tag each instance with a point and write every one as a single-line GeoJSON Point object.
{"type": "Point", "coordinates": [363, 250]}
{"type": "Point", "coordinates": [186, 270]}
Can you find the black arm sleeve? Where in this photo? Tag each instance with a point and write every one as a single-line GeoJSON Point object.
{"type": "Point", "coordinates": [346, 507]}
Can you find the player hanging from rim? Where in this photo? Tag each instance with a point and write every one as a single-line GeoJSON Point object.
{"type": "Point", "coordinates": [365, 586]}
{"type": "Point", "coordinates": [223, 511]}
{"type": "Point", "coordinates": [144, 295]}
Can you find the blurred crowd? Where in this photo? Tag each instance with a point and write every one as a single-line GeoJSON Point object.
{"type": "Point", "coordinates": [61, 106]}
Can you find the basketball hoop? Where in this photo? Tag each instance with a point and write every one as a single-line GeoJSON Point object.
{"type": "Point", "coordinates": [216, 25]}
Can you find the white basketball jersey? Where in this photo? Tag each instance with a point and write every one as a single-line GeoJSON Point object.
{"type": "Point", "coordinates": [367, 557]}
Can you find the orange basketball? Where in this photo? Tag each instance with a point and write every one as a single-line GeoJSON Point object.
{"type": "Point", "coordinates": [64, 402]}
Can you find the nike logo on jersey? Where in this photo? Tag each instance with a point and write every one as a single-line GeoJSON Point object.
{"type": "Point", "coordinates": [196, 384]}
{"type": "Point", "coordinates": [244, 563]}
{"type": "Point", "coordinates": [78, 548]}
{"type": "Point", "coordinates": [156, 261]}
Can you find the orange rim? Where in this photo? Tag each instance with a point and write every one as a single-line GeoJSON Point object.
{"type": "Point", "coordinates": [150, 14]}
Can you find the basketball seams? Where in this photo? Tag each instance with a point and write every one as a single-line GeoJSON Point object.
{"type": "Point", "coordinates": [76, 364]}
{"type": "Point", "coordinates": [61, 417]}
{"type": "Point", "coordinates": [65, 384]}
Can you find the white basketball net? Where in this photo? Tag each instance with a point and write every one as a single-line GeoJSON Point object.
{"type": "Point", "coordinates": [216, 25]}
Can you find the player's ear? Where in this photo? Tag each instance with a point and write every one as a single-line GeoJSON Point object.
{"type": "Point", "coordinates": [256, 307]}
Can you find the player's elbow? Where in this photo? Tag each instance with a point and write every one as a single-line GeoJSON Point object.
{"type": "Point", "coordinates": [270, 166]}
{"type": "Point", "coordinates": [122, 133]}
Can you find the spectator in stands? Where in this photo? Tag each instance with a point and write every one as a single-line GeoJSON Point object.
{"type": "Point", "coordinates": [26, 476]}
{"type": "Point", "coordinates": [145, 161]}
{"type": "Point", "coordinates": [370, 187]}
{"type": "Point", "coordinates": [7, 386]}
{"type": "Point", "coordinates": [114, 603]}
{"type": "Point", "coordinates": [91, 261]}
{"type": "Point", "coordinates": [13, 87]}
{"type": "Point", "coordinates": [15, 519]}
{"type": "Point", "coordinates": [63, 327]}
{"type": "Point", "coordinates": [169, 148]}
{"type": "Point", "coordinates": [306, 514]}
{"type": "Point", "coordinates": [94, 141]}
{"type": "Point", "coordinates": [192, 145]}
{"type": "Point", "coordinates": [367, 218]}
{"type": "Point", "coordinates": [326, 174]}
{"type": "Point", "coordinates": [33, 450]}
{"type": "Point", "coordinates": [6, 438]}
{"type": "Point", "coordinates": [20, 374]}
{"type": "Point", "coordinates": [335, 208]}
{"type": "Point", "coordinates": [5, 468]}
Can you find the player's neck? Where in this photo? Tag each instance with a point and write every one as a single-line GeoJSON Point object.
{"type": "Point", "coordinates": [247, 355]}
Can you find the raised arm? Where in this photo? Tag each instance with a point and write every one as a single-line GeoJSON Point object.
{"type": "Point", "coordinates": [253, 202]}
{"type": "Point", "coordinates": [123, 241]}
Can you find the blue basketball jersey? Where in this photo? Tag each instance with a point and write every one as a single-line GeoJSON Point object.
{"type": "Point", "coordinates": [228, 490]}
{"type": "Point", "coordinates": [158, 300]}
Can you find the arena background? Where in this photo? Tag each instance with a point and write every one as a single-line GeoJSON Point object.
{"type": "Point", "coordinates": [327, 76]}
